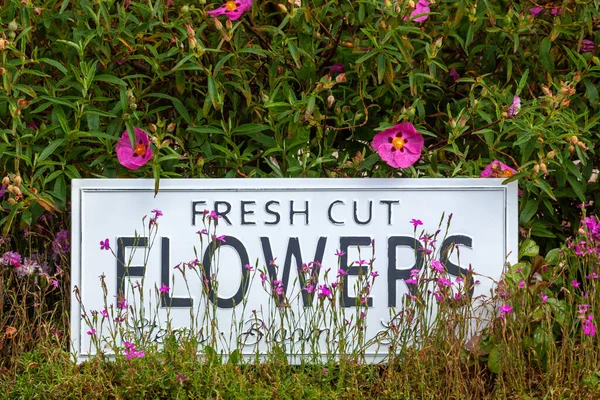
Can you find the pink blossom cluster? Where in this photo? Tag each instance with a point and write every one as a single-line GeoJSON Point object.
{"type": "Point", "coordinates": [131, 352]}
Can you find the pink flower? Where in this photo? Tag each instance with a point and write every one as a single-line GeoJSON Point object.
{"type": "Point", "coordinates": [277, 287]}
{"type": "Point", "coordinates": [521, 284]}
{"type": "Point", "coordinates": [416, 222]}
{"type": "Point", "coordinates": [337, 68]}
{"type": "Point", "coordinates": [339, 253]}
{"type": "Point", "coordinates": [422, 7]}
{"type": "Point", "coordinates": [497, 169]}
{"type": "Point", "coordinates": [505, 310]}
{"type": "Point", "coordinates": [374, 274]}
{"type": "Point", "coordinates": [324, 291]}
{"type": "Point", "coordinates": [444, 281]}
{"type": "Point", "coordinates": [164, 288]}
{"type": "Point", "coordinates": [588, 326]}
{"type": "Point", "coordinates": [437, 265]}
{"type": "Point", "coordinates": [454, 75]}
{"type": "Point", "coordinates": [233, 9]}
{"type": "Point", "coordinates": [91, 332]}
{"type": "Point", "coordinates": [514, 107]}
{"type": "Point", "coordinates": [139, 155]}
{"type": "Point", "coordinates": [544, 297]}
{"type": "Point", "coordinates": [575, 284]}
{"type": "Point", "coordinates": [104, 245]}
{"type": "Point", "coordinates": [587, 46]}
{"type": "Point", "coordinates": [310, 288]}
{"type": "Point", "coordinates": [535, 11]}
{"type": "Point", "coordinates": [249, 267]}
{"type": "Point", "coordinates": [400, 146]}
{"type": "Point", "coordinates": [411, 281]}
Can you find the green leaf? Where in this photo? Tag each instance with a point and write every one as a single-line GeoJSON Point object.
{"type": "Point", "coordinates": [552, 256]}
{"type": "Point", "coordinates": [50, 149]}
{"type": "Point", "coordinates": [529, 211]}
{"type": "Point", "coordinates": [176, 103]}
{"type": "Point", "coordinates": [494, 360]}
{"type": "Point", "coordinates": [529, 249]}
{"type": "Point", "coordinates": [545, 56]}
{"type": "Point", "coordinates": [110, 79]}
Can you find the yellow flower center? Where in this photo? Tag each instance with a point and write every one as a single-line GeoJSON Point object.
{"type": "Point", "coordinates": [140, 149]}
{"type": "Point", "coordinates": [230, 6]}
{"type": "Point", "coordinates": [398, 143]}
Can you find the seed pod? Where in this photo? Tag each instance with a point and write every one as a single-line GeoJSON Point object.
{"type": "Point", "coordinates": [571, 149]}
{"type": "Point", "coordinates": [544, 168]}
{"type": "Point", "coordinates": [152, 128]}
{"type": "Point", "coordinates": [582, 145]}
{"type": "Point", "coordinates": [330, 101]}
{"type": "Point", "coordinates": [171, 127]}
{"type": "Point", "coordinates": [17, 191]}
{"type": "Point", "coordinates": [17, 181]}
{"type": "Point", "coordinates": [574, 139]}
{"type": "Point", "coordinates": [536, 168]}
{"type": "Point", "coordinates": [551, 154]}
{"type": "Point", "coordinates": [11, 189]}
{"type": "Point", "coordinates": [5, 181]}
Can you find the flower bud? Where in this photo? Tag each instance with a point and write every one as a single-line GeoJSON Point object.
{"type": "Point", "coordinates": [574, 139]}
{"type": "Point", "coordinates": [571, 149]}
{"type": "Point", "coordinates": [2, 70]}
{"type": "Point", "coordinates": [551, 154]}
{"type": "Point", "coordinates": [341, 77]}
{"type": "Point", "coordinates": [185, 9]}
{"type": "Point", "coordinates": [576, 77]}
{"type": "Point", "coordinates": [462, 122]}
{"type": "Point", "coordinates": [330, 101]}
{"type": "Point", "coordinates": [133, 106]}
{"type": "Point", "coordinates": [38, 11]}
{"type": "Point", "coordinates": [218, 24]}
{"type": "Point", "coordinates": [17, 181]}
{"type": "Point", "coordinates": [3, 44]}
{"type": "Point", "coordinates": [13, 26]}
{"type": "Point", "coordinates": [152, 128]}
{"type": "Point", "coordinates": [171, 127]}
{"type": "Point", "coordinates": [536, 168]}
{"type": "Point", "coordinates": [5, 181]}
{"type": "Point", "coordinates": [11, 201]}
{"type": "Point", "coordinates": [228, 25]}
{"type": "Point", "coordinates": [544, 168]}
{"type": "Point", "coordinates": [126, 117]}
{"type": "Point", "coordinates": [582, 145]}
{"type": "Point", "coordinates": [11, 189]}
{"type": "Point", "coordinates": [17, 191]}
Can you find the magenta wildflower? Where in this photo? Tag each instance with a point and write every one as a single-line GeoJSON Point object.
{"type": "Point", "coordinates": [416, 222]}
{"type": "Point", "coordinates": [310, 288]}
{"type": "Point", "coordinates": [263, 278]}
{"type": "Point", "coordinates": [91, 332]}
{"type": "Point", "coordinates": [505, 310]}
{"type": "Point", "coordinates": [437, 265]}
{"type": "Point", "coordinates": [582, 308]}
{"type": "Point", "coordinates": [277, 287]}
{"type": "Point", "coordinates": [61, 243]}
{"type": "Point", "coordinates": [181, 378]}
{"type": "Point", "coordinates": [11, 258]}
{"type": "Point", "coordinates": [444, 281]}
{"type": "Point", "coordinates": [233, 9]}
{"type": "Point", "coordinates": [438, 297]}
{"type": "Point", "coordinates": [213, 215]}
{"type": "Point", "coordinates": [2, 191]}
{"type": "Point", "coordinates": [422, 7]}
{"type": "Point", "coordinates": [497, 169]}
{"type": "Point", "coordinates": [54, 282]}
{"type": "Point", "coordinates": [587, 46]}
{"type": "Point", "coordinates": [514, 107]}
{"type": "Point", "coordinates": [164, 288]}
{"type": "Point", "coordinates": [544, 297]}
{"type": "Point", "coordinates": [411, 281]}
{"type": "Point", "coordinates": [454, 75]}
{"type": "Point", "coordinates": [219, 238]}
{"type": "Point", "coordinates": [588, 326]}
{"type": "Point", "coordinates": [360, 262]}
{"type": "Point", "coordinates": [521, 284]}
{"type": "Point", "coordinates": [104, 313]}
{"type": "Point", "coordinates": [202, 232]}
{"type": "Point", "coordinates": [339, 253]}
{"type": "Point", "coordinates": [374, 274]}
{"type": "Point", "coordinates": [324, 291]}
{"type": "Point", "coordinates": [249, 267]}
{"type": "Point", "coordinates": [104, 244]}
{"type": "Point", "coordinates": [399, 146]}
{"type": "Point", "coordinates": [535, 11]}
{"type": "Point", "coordinates": [575, 284]}
{"type": "Point", "coordinates": [139, 155]}
{"type": "Point", "coordinates": [337, 68]}
{"type": "Point", "coordinates": [131, 352]}
{"type": "Point", "coordinates": [341, 272]}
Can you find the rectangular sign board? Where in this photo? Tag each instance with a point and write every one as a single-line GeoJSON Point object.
{"type": "Point", "coordinates": [304, 264]}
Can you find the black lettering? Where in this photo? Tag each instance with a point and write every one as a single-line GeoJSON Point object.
{"type": "Point", "coordinates": [124, 270]}
{"type": "Point", "coordinates": [293, 249]}
{"type": "Point", "coordinates": [345, 242]}
{"type": "Point", "coordinates": [243, 288]}
{"type": "Point", "coordinates": [395, 274]}
{"type": "Point", "coordinates": [333, 221]}
{"type": "Point", "coordinates": [247, 212]}
{"type": "Point", "coordinates": [389, 204]}
{"type": "Point", "coordinates": [356, 213]}
{"type": "Point", "coordinates": [275, 213]}
{"type": "Point", "coordinates": [293, 212]}
{"type": "Point", "coordinates": [223, 213]}
{"type": "Point", "coordinates": [446, 250]}
{"type": "Point", "coordinates": [195, 211]}
{"type": "Point", "coordinates": [165, 274]}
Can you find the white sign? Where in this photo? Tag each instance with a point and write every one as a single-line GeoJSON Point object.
{"type": "Point", "coordinates": [296, 247]}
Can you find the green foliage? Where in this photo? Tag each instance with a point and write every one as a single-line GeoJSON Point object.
{"type": "Point", "coordinates": [255, 97]}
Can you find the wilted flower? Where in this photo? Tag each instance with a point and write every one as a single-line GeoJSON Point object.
{"type": "Point", "coordinates": [233, 9]}
{"type": "Point", "coordinates": [514, 107]}
{"type": "Point", "coordinates": [11, 258]}
{"type": "Point", "coordinates": [400, 146]}
{"type": "Point", "coordinates": [453, 74]}
{"type": "Point", "coordinates": [587, 46]}
{"type": "Point", "coordinates": [61, 243]}
{"type": "Point", "coordinates": [139, 155]}
{"type": "Point", "coordinates": [497, 169]}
